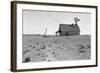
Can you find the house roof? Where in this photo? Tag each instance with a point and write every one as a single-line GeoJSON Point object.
{"type": "Point", "coordinates": [69, 27]}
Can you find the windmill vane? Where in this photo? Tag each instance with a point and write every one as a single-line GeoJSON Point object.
{"type": "Point", "coordinates": [76, 19]}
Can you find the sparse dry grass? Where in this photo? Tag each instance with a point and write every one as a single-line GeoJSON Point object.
{"type": "Point", "coordinates": [52, 48]}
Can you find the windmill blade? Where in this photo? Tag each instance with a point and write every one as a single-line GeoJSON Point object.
{"type": "Point", "coordinates": [76, 19]}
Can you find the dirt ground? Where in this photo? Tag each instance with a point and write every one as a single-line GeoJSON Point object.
{"type": "Point", "coordinates": [37, 48]}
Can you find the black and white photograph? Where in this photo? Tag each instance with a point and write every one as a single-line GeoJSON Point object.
{"type": "Point", "coordinates": [49, 36]}
{"type": "Point", "coordinates": [56, 36]}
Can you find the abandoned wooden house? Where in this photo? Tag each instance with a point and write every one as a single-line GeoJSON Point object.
{"type": "Point", "coordinates": [68, 29]}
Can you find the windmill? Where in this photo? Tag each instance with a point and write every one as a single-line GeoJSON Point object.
{"type": "Point", "coordinates": [76, 19]}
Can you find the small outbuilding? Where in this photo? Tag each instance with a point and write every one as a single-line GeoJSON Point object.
{"type": "Point", "coordinates": [68, 29]}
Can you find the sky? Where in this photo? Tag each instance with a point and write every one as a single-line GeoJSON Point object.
{"type": "Point", "coordinates": [35, 21]}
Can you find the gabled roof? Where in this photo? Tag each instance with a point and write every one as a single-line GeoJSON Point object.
{"type": "Point", "coordinates": [69, 27]}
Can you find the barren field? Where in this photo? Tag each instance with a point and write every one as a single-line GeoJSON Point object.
{"type": "Point", "coordinates": [37, 48]}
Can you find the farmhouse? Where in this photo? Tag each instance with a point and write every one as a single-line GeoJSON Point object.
{"type": "Point", "coordinates": [68, 29]}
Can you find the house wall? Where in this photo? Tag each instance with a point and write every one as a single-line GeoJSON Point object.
{"type": "Point", "coordinates": [63, 33]}
{"type": "Point", "coordinates": [77, 33]}
{"type": "Point", "coordinates": [70, 33]}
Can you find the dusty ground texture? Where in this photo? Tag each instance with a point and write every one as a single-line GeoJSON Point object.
{"type": "Point", "coordinates": [51, 48]}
